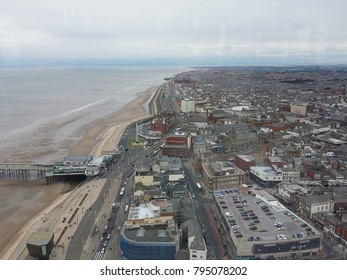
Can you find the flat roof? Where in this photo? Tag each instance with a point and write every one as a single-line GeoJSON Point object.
{"type": "Point", "coordinates": [149, 210]}
{"type": "Point", "coordinates": [40, 238]}
{"type": "Point", "coordinates": [246, 157]}
{"type": "Point", "coordinates": [237, 206]}
{"type": "Point", "coordinates": [275, 159]}
{"type": "Point", "coordinates": [263, 170]}
{"type": "Point", "coordinates": [159, 235]}
{"type": "Point", "coordinates": [96, 161]}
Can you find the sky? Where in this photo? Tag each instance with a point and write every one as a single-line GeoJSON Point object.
{"type": "Point", "coordinates": [180, 32]}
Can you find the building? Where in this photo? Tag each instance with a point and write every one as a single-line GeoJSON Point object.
{"type": "Point", "coordinates": [196, 243]}
{"type": "Point", "coordinates": [299, 109]}
{"type": "Point", "coordinates": [290, 175]}
{"type": "Point", "coordinates": [244, 162]}
{"type": "Point", "coordinates": [187, 105]}
{"type": "Point", "coordinates": [177, 145]}
{"type": "Point", "coordinates": [221, 175]}
{"type": "Point", "coordinates": [199, 146]}
{"type": "Point", "coordinates": [288, 191]}
{"type": "Point", "coordinates": [143, 172]}
{"type": "Point", "coordinates": [267, 177]}
{"type": "Point", "coordinates": [275, 161]}
{"type": "Point", "coordinates": [217, 148]}
{"type": "Point", "coordinates": [162, 122]}
{"type": "Point", "coordinates": [150, 232]}
{"type": "Point", "coordinates": [40, 244]}
{"type": "Point", "coordinates": [312, 204]}
{"type": "Point", "coordinates": [259, 227]}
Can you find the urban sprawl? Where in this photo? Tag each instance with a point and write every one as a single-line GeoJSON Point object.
{"type": "Point", "coordinates": [234, 163]}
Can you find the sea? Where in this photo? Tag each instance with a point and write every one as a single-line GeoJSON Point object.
{"type": "Point", "coordinates": [44, 110]}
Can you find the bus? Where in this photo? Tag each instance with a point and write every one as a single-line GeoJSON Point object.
{"type": "Point", "coordinates": [126, 208]}
{"type": "Point", "coordinates": [199, 187]}
{"type": "Point", "coordinates": [121, 191]}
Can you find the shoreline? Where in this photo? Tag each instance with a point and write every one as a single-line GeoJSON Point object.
{"type": "Point", "coordinates": [101, 132]}
{"type": "Point", "coordinates": [101, 138]}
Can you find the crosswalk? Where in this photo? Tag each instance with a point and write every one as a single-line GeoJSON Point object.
{"type": "Point", "coordinates": [98, 256]}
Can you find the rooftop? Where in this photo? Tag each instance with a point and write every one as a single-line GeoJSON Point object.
{"type": "Point", "coordinates": [260, 215]}
{"type": "Point", "coordinates": [265, 170]}
{"type": "Point", "coordinates": [246, 157]}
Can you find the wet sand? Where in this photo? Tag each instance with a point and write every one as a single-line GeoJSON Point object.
{"type": "Point", "coordinates": [22, 201]}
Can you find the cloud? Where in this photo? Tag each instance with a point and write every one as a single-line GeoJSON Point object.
{"type": "Point", "coordinates": [133, 29]}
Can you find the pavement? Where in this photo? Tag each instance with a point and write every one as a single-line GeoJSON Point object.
{"type": "Point", "coordinates": [63, 217]}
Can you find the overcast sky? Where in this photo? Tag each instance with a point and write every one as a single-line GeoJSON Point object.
{"type": "Point", "coordinates": [218, 32]}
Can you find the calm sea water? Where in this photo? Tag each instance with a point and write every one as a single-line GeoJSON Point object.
{"type": "Point", "coordinates": [44, 110]}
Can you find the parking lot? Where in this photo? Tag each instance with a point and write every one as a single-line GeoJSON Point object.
{"type": "Point", "coordinates": [253, 218]}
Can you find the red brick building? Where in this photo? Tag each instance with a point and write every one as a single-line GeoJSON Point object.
{"type": "Point", "coordinates": [341, 230]}
{"type": "Point", "coordinates": [177, 145]}
{"type": "Point", "coordinates": [275, 161]}
{"type": "Point", "coordinates": [162, 122]}
{"type": "Point", "coordinates": [244, 162]}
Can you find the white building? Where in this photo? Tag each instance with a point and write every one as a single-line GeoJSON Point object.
{"type": "Point", "coordinates": [187, 105]}
{"type": "Point", "coordinates": [290, 175]}
{"type": "Point", "coordinates": [265, 176]}
{"type": "Point", "coordinates": [312, 204]}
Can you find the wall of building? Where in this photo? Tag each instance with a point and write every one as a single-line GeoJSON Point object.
{"type": "Point", "coordinates": [133, 250]}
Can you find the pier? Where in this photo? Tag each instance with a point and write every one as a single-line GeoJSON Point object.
{"type": "Point", "coordinates": [24, 170]}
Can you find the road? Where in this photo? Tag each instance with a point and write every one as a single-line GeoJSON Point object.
{"type": "Point", "coordinates": [202, 207]}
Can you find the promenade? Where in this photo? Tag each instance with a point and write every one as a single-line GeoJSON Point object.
{"type": "Point", "coordinates": [67, 216]}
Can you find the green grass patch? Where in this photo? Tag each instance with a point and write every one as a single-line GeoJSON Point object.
{"type": "Point", "coordinates": [135, 144]}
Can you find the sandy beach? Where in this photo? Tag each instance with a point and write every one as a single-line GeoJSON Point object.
{"type": "Point", "coordinates": [23, 202]}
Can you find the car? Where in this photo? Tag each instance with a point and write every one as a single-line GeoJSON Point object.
{"type": "Point", "coordinates": [257, 238]}
{"type": "Point", "coordinates": [193, 195]}
{"type": "Point", "coordinates": [102, 250]}
{"type": "Point", "coordinates": [102, 239]}
{"type": "Point", "coordinates": [105, 243]}
{"type": "Point", "coordinates": [253, 228]}
{"type": "Point", "coordinates": [109, 236]}
{"type": "Point", "coordinates": [106, 227]}
{"type": "Point", "coordinates": [250, 238]}
{"type": "Point", "coordinates": [238, 235]}
{"type": "Point", "coordinates": [283, 236]}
